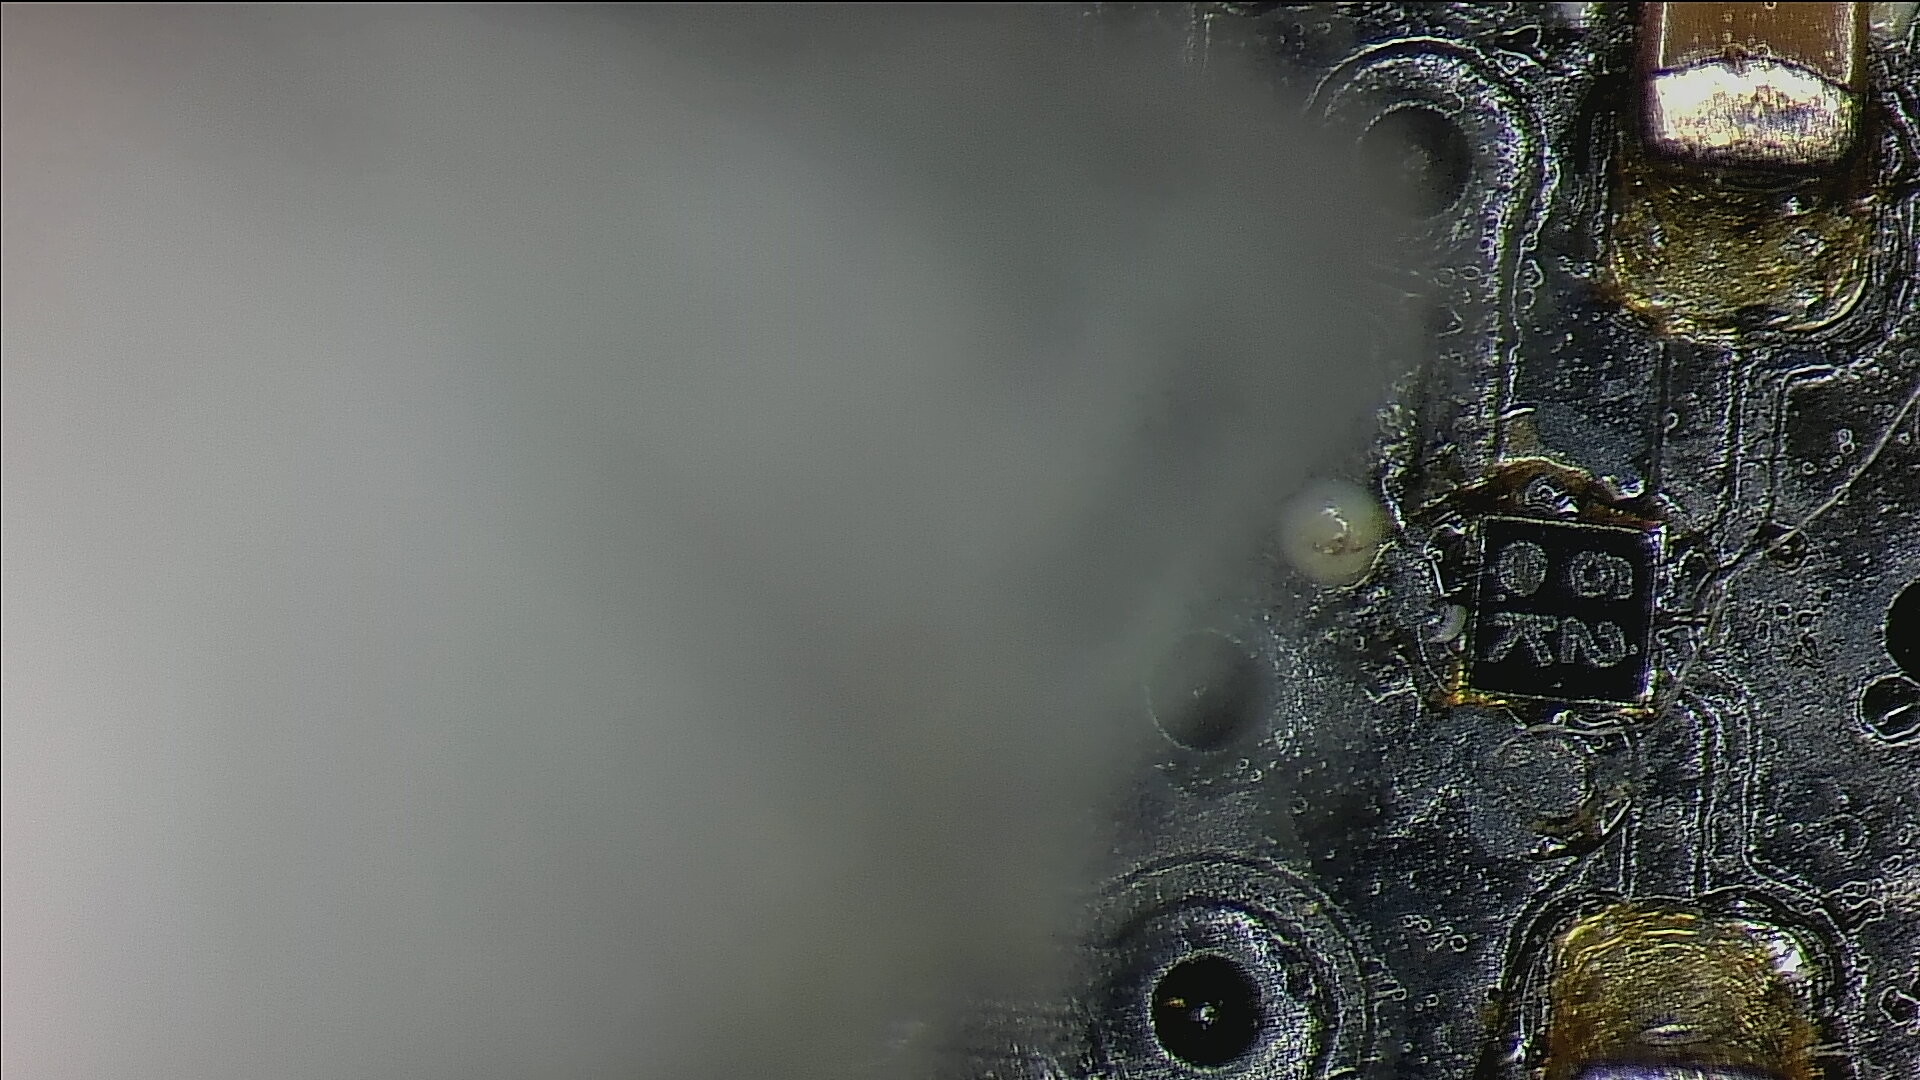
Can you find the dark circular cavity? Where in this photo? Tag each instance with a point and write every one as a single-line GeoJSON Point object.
{"type": "Point", "coordinates": [1890, 707]}
{"type": "Point", "coordinates": [1264, 922]}
{"type": "Point", "coordinates": [1205, 691]}
{"type": "Point", "coordinates": [1424, 154]}
{"type": "Point", "coordinates": [1206, 1011]}
{"type": "Point", "coordinates": [1903, 630]}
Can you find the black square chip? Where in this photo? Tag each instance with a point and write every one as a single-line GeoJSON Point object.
{"type": "Point", "coordinates": [1563, 611]}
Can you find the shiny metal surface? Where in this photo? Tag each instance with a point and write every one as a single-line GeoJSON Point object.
{"type": "Point", "coordinates": [1754, 84]}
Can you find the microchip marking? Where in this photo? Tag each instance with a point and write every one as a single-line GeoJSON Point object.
{"type": "Point", "coordinates": [1563, 612]}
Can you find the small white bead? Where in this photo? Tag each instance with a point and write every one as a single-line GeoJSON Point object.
{"type": "Point", "coordinates": [1331, 531]}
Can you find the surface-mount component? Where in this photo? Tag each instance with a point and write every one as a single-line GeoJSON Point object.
{"type": "Point", "coordinates": [1563, 612]}
{"type": "Point", "coordinates": [1754, 84]}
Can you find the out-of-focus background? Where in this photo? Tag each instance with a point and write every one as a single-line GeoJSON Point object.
{"type": "Point", "coordinates": [579, 542]}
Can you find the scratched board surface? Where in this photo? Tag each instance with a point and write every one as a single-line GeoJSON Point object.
{"type": "Point", "coordinates": [1637, 634]}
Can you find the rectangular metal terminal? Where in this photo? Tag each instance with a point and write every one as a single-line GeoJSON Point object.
{"type": "Point", "coordinates": [1754, 85]}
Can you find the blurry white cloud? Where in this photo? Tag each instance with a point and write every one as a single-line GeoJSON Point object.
{"type": "Point", "coordinates": [592, 543]}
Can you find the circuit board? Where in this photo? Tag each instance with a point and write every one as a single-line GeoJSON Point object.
{"type": "Point", "coordinates": [1595, 751]}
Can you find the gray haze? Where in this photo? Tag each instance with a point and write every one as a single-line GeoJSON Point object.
{"type": "Point", "coordinates": [568, 543]}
